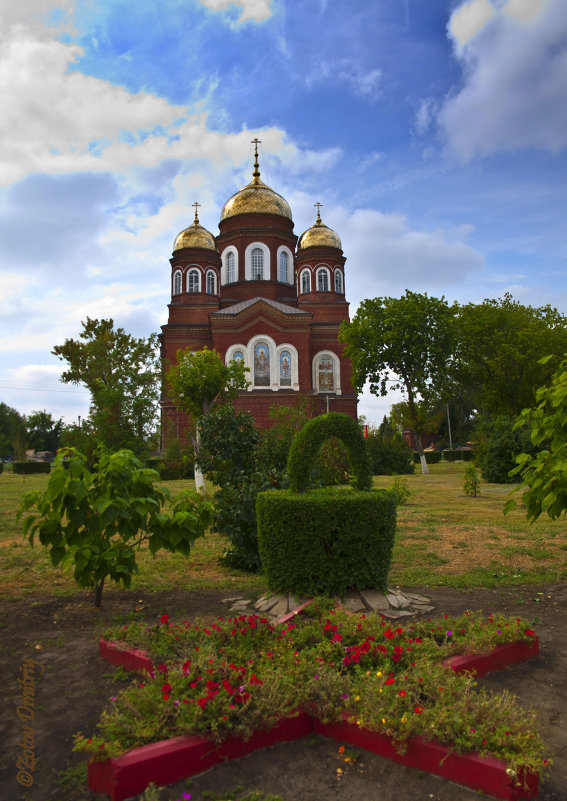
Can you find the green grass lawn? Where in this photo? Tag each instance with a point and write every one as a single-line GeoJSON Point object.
{"type": "Point", "coordinates": [443, 538]}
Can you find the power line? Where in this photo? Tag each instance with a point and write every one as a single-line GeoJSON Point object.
{"type": "Point", "coordinates": [31, 387]}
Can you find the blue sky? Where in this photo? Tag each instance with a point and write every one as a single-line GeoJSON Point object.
{"type": "Point", "coordinates": [433, 131]}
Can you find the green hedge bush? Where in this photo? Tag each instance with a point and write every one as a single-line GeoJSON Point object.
{"type": "Point", "coordinates": [431, 457]}
{"type": "Point", "coordinates": [389, 455]}
{"type": "Point", "coordinates": [457, 455]}
{"type": "Point", "coordinates": [27, 468]}
{"type": "Point", "coordinates": [307, 444]}
{"type": "Point", "coordinates": [326, 541]}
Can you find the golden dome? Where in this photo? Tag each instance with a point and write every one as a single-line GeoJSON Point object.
{"type": "Point", "coordinates": [319, 235]}
{"type": "Point", "coordinates": [195, 237]}
{"type": "Point", "coordinates": [256, 198]}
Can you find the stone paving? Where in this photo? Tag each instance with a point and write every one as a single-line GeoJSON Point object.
{"type": "Point", "coordinates": [392, 604]}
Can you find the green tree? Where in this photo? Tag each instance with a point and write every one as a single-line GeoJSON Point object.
{"type": "Point", "coordinates": [198, 381]}
{"type": "Point", "coordinates": [43, 432]}
{"type": "Point", "coordinates": [388, 451]}
{"type": "Point", "coordinates": [501, 345]}
{"type": "Point", "coordinates": [12, 431]}
{"type": "Point", "coordinates": [544, 472]}
{"type": "Point", "coordinates": [406, 342]}
{"type": "Point", "coordinates": [123, 376]}
{"type": "Point", "coordinates": [498, 443]}
{"type": "Point", "coordinates": [97, 520]}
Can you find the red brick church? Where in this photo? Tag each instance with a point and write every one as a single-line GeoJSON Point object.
{"type": "Point", "coordinates": [259, 294]}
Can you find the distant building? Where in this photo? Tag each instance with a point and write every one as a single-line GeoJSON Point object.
{"type": "Point", "coordinates": [260, 295]}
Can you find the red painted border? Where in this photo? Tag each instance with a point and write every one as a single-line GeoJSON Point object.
{"type": "Point", "coordinates": [129, 658]}
{"type": "Point", "coordinates": [497, 659]}
{"type": "Point", "coordinates": [170, 760]}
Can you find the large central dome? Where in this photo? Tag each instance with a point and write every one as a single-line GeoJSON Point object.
{"type": "Point", "coordinates": [256, 198]}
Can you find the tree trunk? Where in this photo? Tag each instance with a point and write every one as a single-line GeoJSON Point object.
{"type": "Point", "coordinates": [199, 477]}
{"type": "Point", "coordinates": [98, 594]}
{"type": "Point", "coordinates": [424, 467]}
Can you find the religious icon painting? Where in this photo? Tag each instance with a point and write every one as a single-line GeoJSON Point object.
{"type": "Point", "coordinates": [261, 365]}
{"type": "Point", "coordinates": [285, 368]}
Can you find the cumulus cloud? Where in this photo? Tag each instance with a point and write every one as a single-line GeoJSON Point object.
{"type": "Point", "coordinates": [386, 255]}
{"type": "Point", "coordinates": [58, 120]}
{"type": "Point", "coordinates": [257, 10]}
{"type": "Point", "coordinates": [514, 61]}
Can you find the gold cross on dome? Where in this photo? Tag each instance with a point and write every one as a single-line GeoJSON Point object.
{"type": "Point", "coordinates": [318, 212]}
{"type": "Point", "coordinates": [196, 205]}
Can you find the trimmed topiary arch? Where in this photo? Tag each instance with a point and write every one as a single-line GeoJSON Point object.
{"type": "Point", "coordinates": [308, 442]}
{"type": "Point", "coordinates": [326, 541]}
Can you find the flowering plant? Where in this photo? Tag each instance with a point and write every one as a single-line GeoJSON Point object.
{"type": "Point", "coordinates": [243, 673]}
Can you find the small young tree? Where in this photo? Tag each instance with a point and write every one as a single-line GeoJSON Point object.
{"type": "Point", "coordinates": [97, 520]}
{"type": "Point", "coordinates": [471, 483]}
{"type": "Point", "coordinates": [198, 381]}
{"type": "Point", "coordinates": [544, 473]}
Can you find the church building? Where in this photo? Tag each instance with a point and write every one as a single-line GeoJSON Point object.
{"type": "Point", "coordinates": [258, 294]}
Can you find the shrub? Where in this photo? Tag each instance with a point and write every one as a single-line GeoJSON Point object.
{"type": "Point", "coordinates": [331, 465]}
{"type": "Point", "coordinates": [175, 469]}
{"type": "Point", "coordinates": [471, 483]}
{"type": "Point", "coordinates": [431, 457]}
{"type": "Point", "coordinates": [498, 445]}
{"type": "Point", "coordinates": [389, 455]}
{"type": "Point", "coordinates": [1, 466]}
{"type": "Point", "coordinates": [326, 541]}
{"type": "Point", "coordinates": [458, 455]}
{"type": "Point", "coordinates": [27, 468]}
{"type": "Point", "coordinates": [307, 444]}
{"type": "Point", "coordinates": [401, 490]}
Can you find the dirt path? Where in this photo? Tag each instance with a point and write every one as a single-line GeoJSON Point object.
{"type": "Point", "coordinates": [51, 644]}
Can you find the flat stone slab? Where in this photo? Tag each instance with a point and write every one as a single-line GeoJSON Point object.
{"type": "Point", "coordinates": [398, 601]}
{"type": "Point", "coordinates": [375, 600]}
{"type": "Point", "coordinates": [354, 603]}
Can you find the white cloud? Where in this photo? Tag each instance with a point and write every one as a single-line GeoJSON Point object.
{"type": "Point", "coordinates": [468, 19]}
{"type": "Point", "coordinates": [257, 10]}
{"type": "Point", "coordinates": [366, 83]}
{"type": "Point", "coordinates": [515, 75]}
{"type": "Point", "coordinates": [57, 120]}
{"type": "Point", "coordinates": [386, 256]}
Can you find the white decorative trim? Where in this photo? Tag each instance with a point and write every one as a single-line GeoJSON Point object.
{"type": "Point", "coordinates": [213, 273]}
{"type": "Point", "coordinates": [224, 269]}
{"type": "Point", "coordinates": [248, 260]}
{"type": "Point", "coordinates": [300, 286]}
{"type": "Point", "coordinates": [328, 354]}
{"type": "Point", "coordinates": [287, 251]}
{"type": "Point", "coordinates": [339, 272]}
{"type": "Point", "coordinates": [274, 355]}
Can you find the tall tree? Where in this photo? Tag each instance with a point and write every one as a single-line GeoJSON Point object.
{"type": "Point", "coordinates": [44, 433]}
{"type": "Point", "coordinates": [123, 376]}
{"type": "Point", "coordinates": [406, 342]}
{"type": "Point", "coordinates": [12, 432]}
{"type": "Point", "coordinates": [197, 382]}
{"type": "Point", "coordinates": [501, 343]}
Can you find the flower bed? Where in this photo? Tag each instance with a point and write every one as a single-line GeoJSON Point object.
{"type": "Point", "coordinates": [235, 680]}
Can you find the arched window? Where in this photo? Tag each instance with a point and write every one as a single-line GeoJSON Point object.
{"type": "Point", "coordinates": [322, 280]}
{"type": "Point", "coordinates": [177, 283]}
{"type": "Point", "coordinates": [305, 282]}
{"type": "Point", "coordinates": [262, 364]}
{"type": "Point", "coordinates": [283, 266]}
{"type": "Point", "coordinates": [230, 268]}
{"type": "Point", "coordinates": [338, 282]}
{"type": "Point", "coordinates": [210, 283]}
{"type": "Point", "coordinates": [257, 264]}
{"type": "Point", "coordinates": [193, 281]}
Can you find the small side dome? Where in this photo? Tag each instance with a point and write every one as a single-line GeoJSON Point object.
{"type": "Point", "coordinates": [195, 237]}
{"type": "Point", "coordinates": [319, 235]}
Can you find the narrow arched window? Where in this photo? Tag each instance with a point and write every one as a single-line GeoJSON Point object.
{"type": "Point", "coordinates": [193, 281]}
{"type": "Point", "coordinates": [322, 280]}
{"type": "Point", "coordinates": [305, 282]}
{"type": "Point", "coordinates": [230, 268]}
{"type": "Point", "coordinates": [283, 267]}
{"type": "Point", "coordinates": [257, 264]}
{"type": "Point", "coordinates": [285, 368]}
{"type": "Point", "coordinates": [210, 283]}
{"type": "Point", "coordinates": [338, 282]}
{"type": "Point", "coordinates": [177, 283]}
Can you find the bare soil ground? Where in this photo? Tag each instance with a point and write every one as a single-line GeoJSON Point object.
{"type": "Point", "coordinates": [75, 684]}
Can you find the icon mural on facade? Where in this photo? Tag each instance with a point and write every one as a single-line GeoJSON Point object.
{"type": "Point", "coordinates": [326, 375]}
{"type": "Point", "coordinates": [261, 365]}
{"type": "Point", "coordinates": [285, 368]}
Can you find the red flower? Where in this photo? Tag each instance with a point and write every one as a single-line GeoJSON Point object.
{"type": "Point", "coordinates": [390, 681]}
{"type": "Point", "coordinates": [419, 709]}
{"type": "Point", "coordinates": [164, 619]}
{"type": "Point", "coordinates": [402, 692]}
{"type": "Point", "coordinates": [530, 632]}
